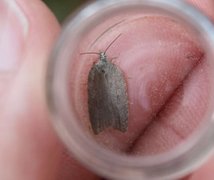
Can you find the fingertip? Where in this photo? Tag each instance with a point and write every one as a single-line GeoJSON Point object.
{"type": "Point", "coordinates": [205, 172]}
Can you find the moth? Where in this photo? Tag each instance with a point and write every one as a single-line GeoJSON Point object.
{"type": "Point", "coordinates": [107, 94]}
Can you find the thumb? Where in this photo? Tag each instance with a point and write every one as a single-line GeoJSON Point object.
{"type": "Point", "coordinates": [28, 148]}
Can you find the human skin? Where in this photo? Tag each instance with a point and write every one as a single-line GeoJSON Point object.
{"type": "Point", "coordinates": [29, 147]}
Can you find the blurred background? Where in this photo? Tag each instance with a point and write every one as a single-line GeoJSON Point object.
{"type": "Point", "coordinates": [62, 8]}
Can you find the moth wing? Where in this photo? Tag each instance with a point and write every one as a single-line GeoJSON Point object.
{"type": "Point", "coordinates": [107, 98]}
{"type": "Point", "coordinates": [118, 98]}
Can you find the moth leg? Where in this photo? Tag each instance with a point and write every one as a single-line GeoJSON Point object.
{"type": "Point", "coordinates": [113, 59]}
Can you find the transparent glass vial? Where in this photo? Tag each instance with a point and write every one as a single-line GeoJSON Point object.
{"type": "Point", "coordinates": [67, 86]}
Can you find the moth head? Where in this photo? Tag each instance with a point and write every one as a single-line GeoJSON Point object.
{"type": "Point", "coordinates": [103, 56]}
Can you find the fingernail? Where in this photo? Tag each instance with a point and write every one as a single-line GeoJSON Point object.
{"type": "Point", "coordinates": [13, 32]}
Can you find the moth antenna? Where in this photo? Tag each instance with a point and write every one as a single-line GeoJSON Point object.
{"type": "Point", "coordinates": [108, 29]}
{"type": "Point", "coordinates": [112, 43]}
{"type": "Point", "coordinates": [105, 49]}
{"type": "Point", "coordinates": [89, 53]}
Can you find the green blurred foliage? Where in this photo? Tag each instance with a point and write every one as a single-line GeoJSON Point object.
{"type": "Point", "coordinates": [62, 8]}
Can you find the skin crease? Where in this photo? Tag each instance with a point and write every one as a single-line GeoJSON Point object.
{"type": "Point", "coordinates": [28, 146]}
